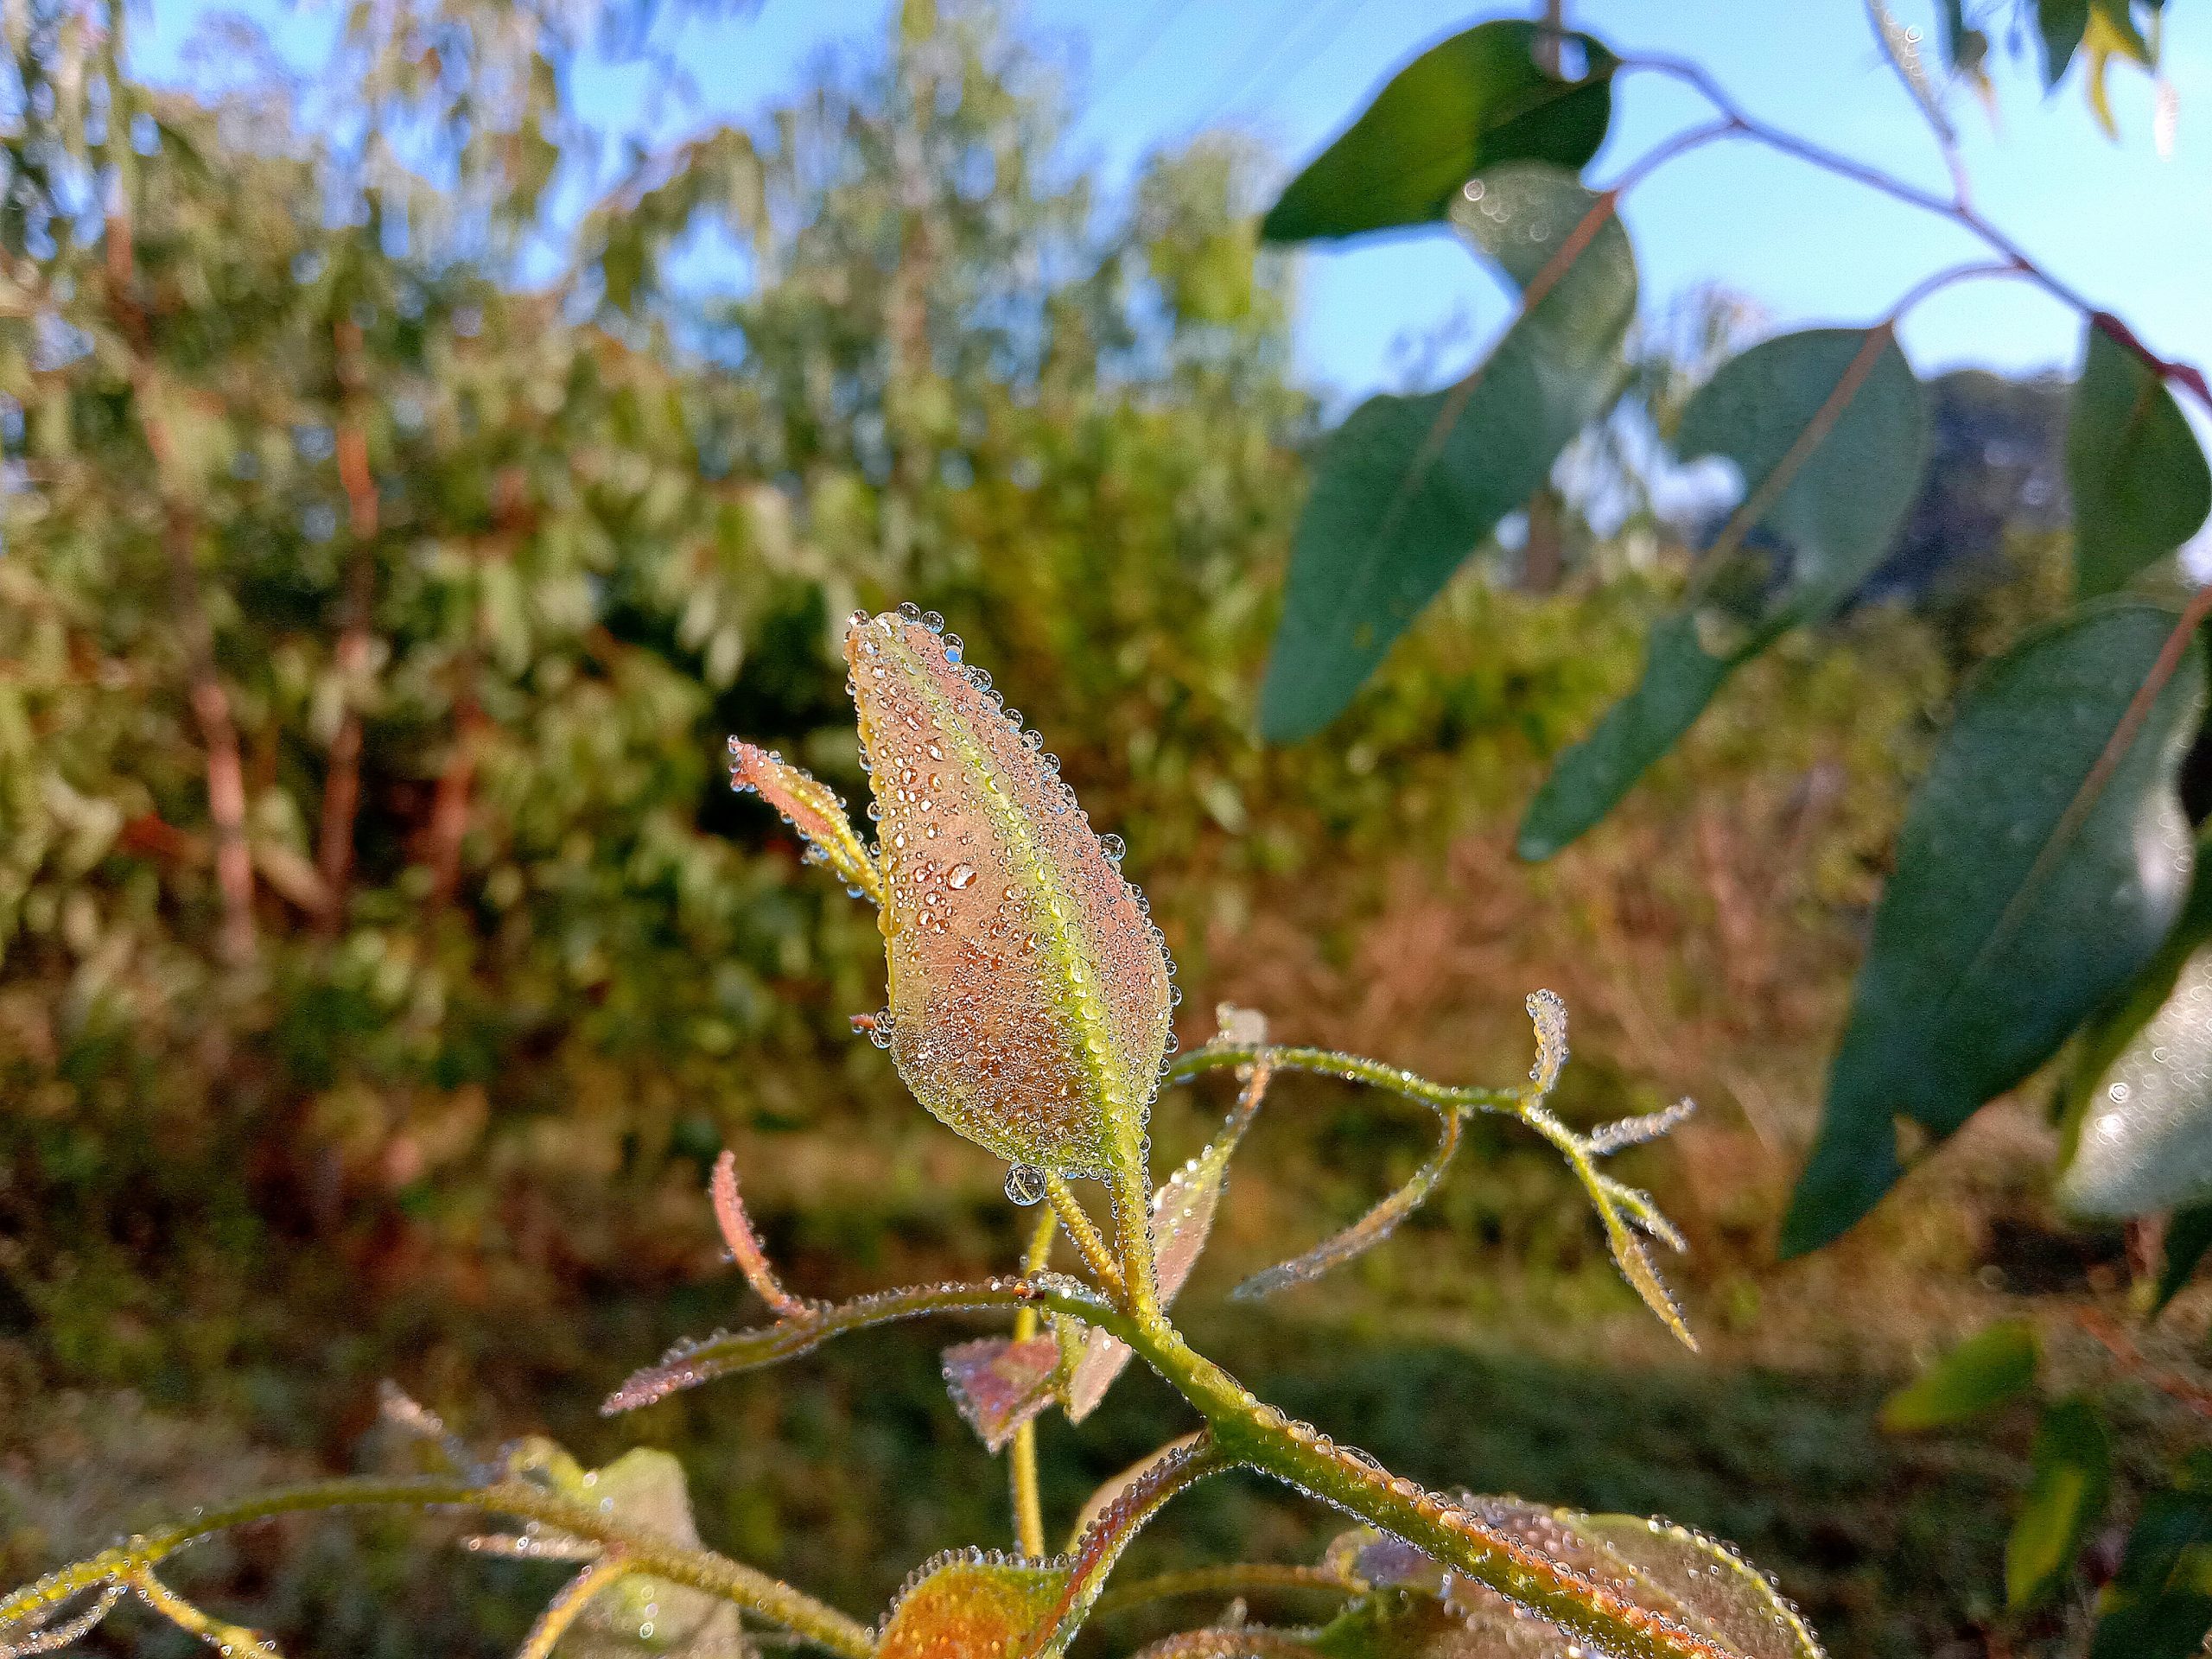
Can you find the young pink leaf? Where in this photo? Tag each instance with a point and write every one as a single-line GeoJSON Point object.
{"type": "Point", "coordinates": [999, 1384]}
{"type": "Point", "coordinates": [811, 807]}
{"type": "Point", "coordinates": [1029, 990]}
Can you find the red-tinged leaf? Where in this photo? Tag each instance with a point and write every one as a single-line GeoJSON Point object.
{"type": "Point", "coordinates": [999, 1384]}
{"type": "Point", "coordinates": [811, 807]}
{"type": "Point", "coordinates": [1029, 990]}
{"type": "Point", "coordinates": [1182, 1217]}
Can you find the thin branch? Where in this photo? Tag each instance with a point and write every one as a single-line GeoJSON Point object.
{"type": "Point", "coordinates": [215, 1633]}
{"type": "Point", "coordinates": [1021, 1458]}
{"type": "Point", "coordinates": [698, 1569]}
{"type": "Point", "coordinates": [565, 1608]}
{"type": "Point", "coordinates": [689, 1364]}
{"type": "Point", "coordinates": [1959, 212]}
{"type": "Point", "coordinates": [1084, 1232]}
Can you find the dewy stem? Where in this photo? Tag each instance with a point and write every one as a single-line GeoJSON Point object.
{"type": "Point", "coordinates": [1350, 1068]}
{"type": "Point", "coordinates": [1250, 1433]}
{"type": "Point", "coordinates": [1021, 1456]}
{"type": "Point", "coordinates": [700, 1569]}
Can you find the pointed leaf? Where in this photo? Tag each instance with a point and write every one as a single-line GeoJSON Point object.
{"type": "Point", "coordinates": [2139, 478]}
{"type": "Point", "coordinates": [1470, 103]}
{"type": "Point", "coordinates": [1029, 990]}
{"type": "Point", "coordinates": [2062, 23]}
{"type": "Point", "coordinates": [1983, 1371]}
{"type": "Point", "coordinates": [1371, 1229]}
{"type": "Point", "coordinates": [999, 1384]}
{"type": "Point", "coordinates": [2041, 861]}
{"type": "Point", "coordinates": [1828, 428]}
{"type": "Point", "coordinates": [2073, 1477]}
{"type": "Point", "coordinates": [1407, 487]}
{"type": "Point", "coordinates": [967, 1605]}
{"type": "Point", "coordinates": [2145, 1136]}
{"type": "Point", "coordinates": [810, 807]}
{"type": "Point", "coordinates": [1182, 1217]}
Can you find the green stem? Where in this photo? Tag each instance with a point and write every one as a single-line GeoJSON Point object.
{"type": "Point", "coordinates": [700, 1569]}
{"type": "Point", "coordinates": [1022, 1457]}
{"type": "Point", "coordinates": [1351, 1068]}
{"type": "Point", "coordinates": [1246, 1431]}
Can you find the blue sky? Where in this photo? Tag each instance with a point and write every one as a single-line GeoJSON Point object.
{"type": "Point", "coordinates": [2131, 229]}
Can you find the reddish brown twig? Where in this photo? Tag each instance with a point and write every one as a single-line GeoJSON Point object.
{"type": "Point", "coordinates": [2121, 1346]}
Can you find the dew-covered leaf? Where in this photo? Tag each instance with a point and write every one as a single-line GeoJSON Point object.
{"type": "Point", "coordinates": [1697, 1584]}
{"type": "Point", "coordinates": [1029, 990]}
{"type": "Point", "coordinates": [2145, 1141]}
{"type": "Point", "coordinates": [645, 1490]}
{"type": "Point", "coordinates": [1409, 486]}
{"type": "Point", "coordinates": [811, 807]}
{"type": "Point", "coordinates": [2073, 1476]}
{"type": "Point", "coordinates": [1828, 428]}
{"type": "Point", "coordinates": [1182, 1217]}
{"type": "Point", "coordinates": [998, 1384]}
{"type": "Point", "coordinates": [970, 1606]}
{"type": "Point", "coordinates": [1987, 1368]}
{"type": "Point", "coordinates": [1470, 103]}
{"type": "Point", "coordinates": [2135, 471]}
{"type": "Point", "coordinates": [2041, 862]}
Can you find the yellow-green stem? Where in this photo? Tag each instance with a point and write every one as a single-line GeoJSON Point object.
{"type": "Point", "coordinates": [1021, 1456]}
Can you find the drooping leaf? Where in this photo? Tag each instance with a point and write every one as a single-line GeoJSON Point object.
{"type": "Point", "coordinates": [2135, 473]}
{"type": "Point", "coordinates": [2073, 1477]}
{"type": "Point", "coordinates": [1828, 428]}
{"type": "Point", "coordinates": [2189, 1235]}
{"type": "Point", "coordinates": [2041, 861]}
{"type": "Point", "coordinates": [964, 1605]}
{"type": "Point", "coordinates": [998, 1384]}
{"type": "Point", "coordinates": [1470, 103]}
{"type": "Point", "coordinates": [1029, 989]}
{"type": "Point", "coordinates": [1987, 1368]}
{"type": "Point", "coordinates": [1407, 487]}
{"type": "Point", "coordinates": [2145, 1141]}
{"type": "Point", "coordinates": [2159, 1606]}
{"type": "Point", "coordinates": [2062, 23]}
{"type": "Point", "coordinates": [1698, 1584]}
{"type": "Point", "coordinates": [811, 807]}
{"type": "Point", "coordinates": [645, 1490]}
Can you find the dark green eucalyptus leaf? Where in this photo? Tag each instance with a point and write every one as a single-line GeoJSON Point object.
{"type": "Point", "coordinates": [1828, 428]}
{"type": "Point", "coordinates": [2062, 23]}
{"type": "Point", "coordinates": [2138, 477]}
{"type": "Point", "coordinates": [1987, 1368]}
{"type": "Point", "coordinates": [2189, 1235]}
{"type": "Point", "coordinates": [1407, 487]}
{"type": "Point", "coordinates": [2160, 1604]}
{"type": "Point", "coordinates": [2037, 874]}
{"type": "Point", "coordinates": [1470, 103]}
{"type": "Point", "coordinates": [2073, 1479]}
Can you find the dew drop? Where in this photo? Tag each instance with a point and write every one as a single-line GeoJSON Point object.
{"type": "Point", "coordinates": [1025, 1184]}
{"type": "Point", "coordinates": [961, 875]}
